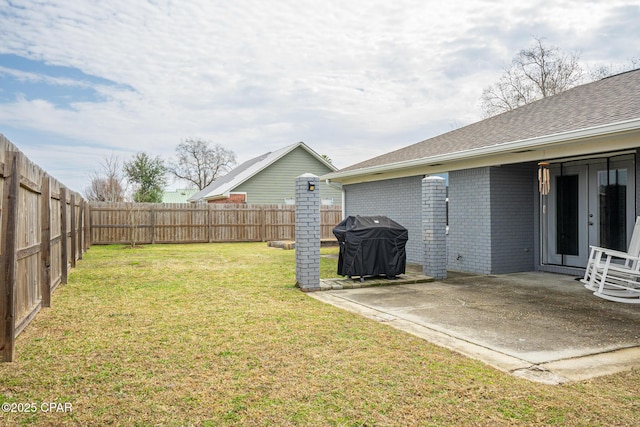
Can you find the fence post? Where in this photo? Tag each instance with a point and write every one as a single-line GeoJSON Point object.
{"type": "Point", "coordinates": [307, 232]}
{"type": "Point", "coordinates": [87, 226]}
{"type": "Point", "coordinates": [64, 243]}
{"type": "Point", "coordinates": [263, 227]}
{"type": "Point", "coordinates": [73, 230]}
{"type": "Point", "coordinates": [210, 221]}
{"type": "Point", "coordinates": [45, 241]}
{"type": "Point", "coordinates": [152, 213]}
{"type": "Point", "coordinates": [9, 253]}
{"type": "Point", "coordinates": [80, 233]}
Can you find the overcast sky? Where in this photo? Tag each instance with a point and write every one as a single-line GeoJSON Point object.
{"type": "Point", "coordinates": [81, 80]}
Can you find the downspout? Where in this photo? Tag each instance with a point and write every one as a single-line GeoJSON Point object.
{"type": "Point", "coordinates": [338, 186]}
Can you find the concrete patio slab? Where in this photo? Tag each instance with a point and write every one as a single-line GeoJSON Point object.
{"type": "Point", "coordinates": [346, 283]}
{"type": "Point", "coordinates": [540, 326]}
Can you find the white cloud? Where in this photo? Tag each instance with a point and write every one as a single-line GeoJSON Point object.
{"type": "Point", "coordinates": [352, 79]}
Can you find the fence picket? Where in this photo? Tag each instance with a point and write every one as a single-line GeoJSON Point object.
{"type": "Point", "coordinates": [9, 254]}
{"type": "Point", "coordinates": [45, 242]}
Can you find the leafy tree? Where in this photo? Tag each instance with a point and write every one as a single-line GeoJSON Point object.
{"type": "Point", "coordinates": [200, 163]}
{"type": "Point", "coordinates": [148, 175]}
{"type": "Point", "coordinates": [535, 73]}
{"type": "Point", "coordinates": [107, 183]}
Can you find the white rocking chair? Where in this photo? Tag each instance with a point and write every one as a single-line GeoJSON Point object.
{"type": "Point", "coordinates": [615, 275]}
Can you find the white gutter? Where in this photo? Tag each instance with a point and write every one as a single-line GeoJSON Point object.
{"type": "Point", "coordinates": [524, 144]}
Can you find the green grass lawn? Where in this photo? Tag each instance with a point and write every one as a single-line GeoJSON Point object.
{"type": "Point", "coordinates": [217, 334]}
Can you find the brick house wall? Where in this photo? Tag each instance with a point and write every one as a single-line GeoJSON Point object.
{"type": "Point", "coordinates": [492, 222]}
{"type": "Point", "coordinates": [492, 216]}
{"type": "Point", "coordinates": [237, 198]}
{"type": "Point", "coordinates": [469, 238]}
{"type": "Point", "coordinates": [513, 220]}
{"type": "Point", "coordinates": [399, 199]}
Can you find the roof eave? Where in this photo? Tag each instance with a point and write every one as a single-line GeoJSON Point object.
{"type": "Point", "coordinates": [316, 156]}
{"type": "Point", "coordinates": [216, 196]}
{"type": "Point", "coordinates": [530, 149]}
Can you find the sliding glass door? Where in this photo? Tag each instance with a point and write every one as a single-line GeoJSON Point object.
{"type": "Point", "coordinates": [591, 202]}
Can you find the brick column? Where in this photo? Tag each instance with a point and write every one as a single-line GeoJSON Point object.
{"type": "Point", "coordinates": [308, 232]}
{"type": "Point", "coordinates": [434, 226]}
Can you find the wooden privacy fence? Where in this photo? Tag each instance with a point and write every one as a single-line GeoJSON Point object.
{"type": "Point", "coordinates": [198, 223]}
{"type": "Point", "coordinates": [43, 232]}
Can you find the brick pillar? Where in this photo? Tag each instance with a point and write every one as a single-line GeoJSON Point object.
{"type": "Point", "coordinates": [308, 232]}
{"type": "Point", "coordinates": [434, 226]}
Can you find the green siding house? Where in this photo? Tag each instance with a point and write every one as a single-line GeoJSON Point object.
{"type": "Point", "coordinates": [270, 178]}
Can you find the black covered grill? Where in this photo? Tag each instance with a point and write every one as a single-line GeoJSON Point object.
{"type": "Point", "coordinates": [371, 246]}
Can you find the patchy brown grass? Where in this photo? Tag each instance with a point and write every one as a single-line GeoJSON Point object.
{"type": "Point", "coordinates": [217, 334]}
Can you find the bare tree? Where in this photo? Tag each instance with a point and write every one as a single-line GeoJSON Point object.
{"type": "Point", "coordinates": [106, 182]}
{"type": "Point", "coordinates": [602, 71]}
{"type": "Point", "coordinates": [535, 73]}
{"type": "Point", "coordinates": [199, 163]}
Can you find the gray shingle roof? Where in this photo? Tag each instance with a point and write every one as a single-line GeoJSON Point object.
{"type": "Point", "coordinates": [610, 100]}
{"type": "Point", "coordinates": [227, 181]}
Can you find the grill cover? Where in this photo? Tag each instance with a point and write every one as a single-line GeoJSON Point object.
{"type": "Point", "coordinates": [370, 246]}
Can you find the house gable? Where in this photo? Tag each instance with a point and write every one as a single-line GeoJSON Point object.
{"type": "Point", "coordinates": [275, 183]}
{"type": "Point", "coordinates": [269, 188]}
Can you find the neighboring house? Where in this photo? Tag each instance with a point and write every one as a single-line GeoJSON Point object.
{"type": "Point", "coordinates": [270, 179]}
{"type": "Point", "coordinates": [499, 222]}
{"type": "Point", "coordinates": [179, 195]}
